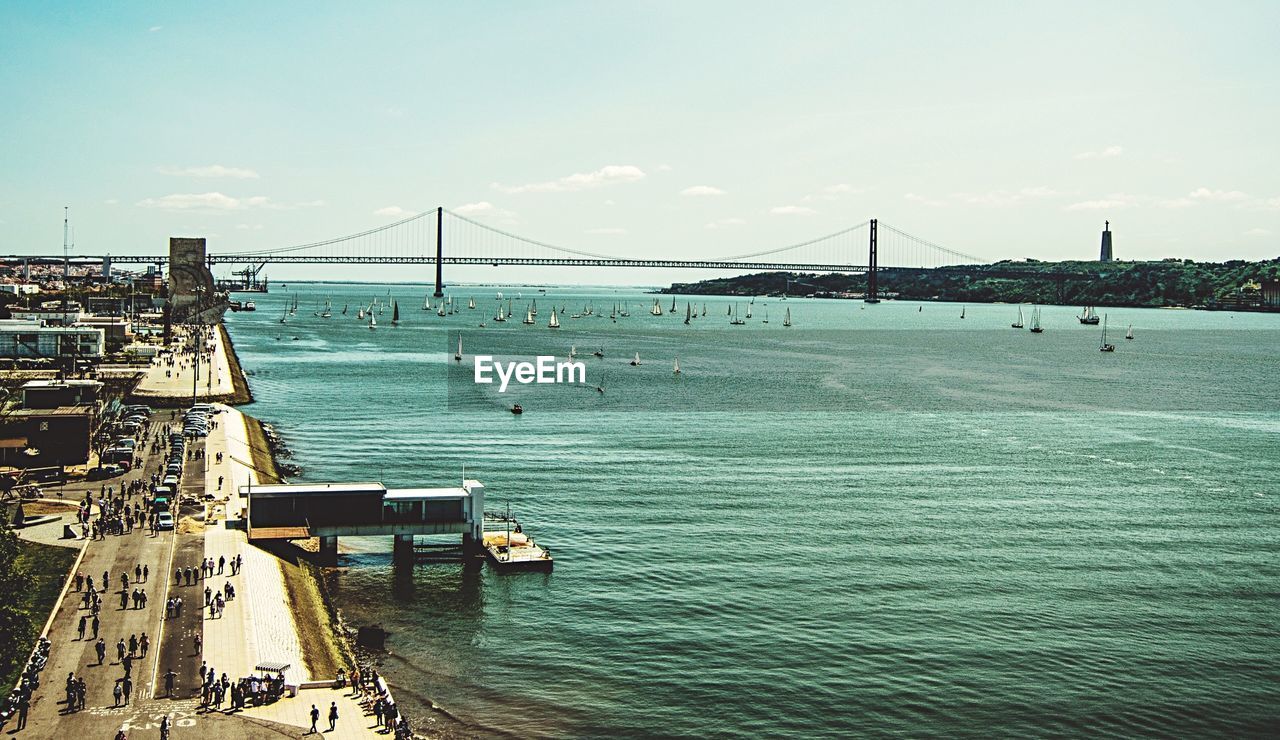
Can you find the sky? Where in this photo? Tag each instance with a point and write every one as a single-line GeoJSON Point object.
{"type": "Point", "coordinates": [684, 130]}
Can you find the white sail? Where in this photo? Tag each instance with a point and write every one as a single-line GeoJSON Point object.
{"type": "Point", "coordinates": [555, 321]}
{"type": "Point", "coordinates": [676, 369]}
{"type": "Point", "coordinates": [458, 355]}
{"type": "Point", "coordinates": [786, 321]}
{"type": "Point", "coordinates": [373, 321]}
{"type": "Point", "coordinates": [471, 303]}
{"type": "Point", "coordinates": [1129, 334]}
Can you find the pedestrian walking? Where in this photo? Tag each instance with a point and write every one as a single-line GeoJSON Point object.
{"type": "Point", "coordinates": [146, 570]}
{"type": "Point", "coordinates": [95, 626]}
{"type": "Point", "coordinates": [169, 677]}
{"type": "Point", "coordinates": [101, 648]}
{"type": "Point", "coordinates": [333, 715]}
{"type": "Point", "coordinates": [84, 622]}
{"type": "Point", "coordinates": [127, 683]}
{"type": "Point", "coordinates": [117, 693]}
{"type": "Point", "coordinates": [315, 717]}
{"type": "Point", "coordinates": [144, 644]}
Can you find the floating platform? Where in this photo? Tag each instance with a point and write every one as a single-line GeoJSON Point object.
{"type": "Point", "coordinates": [511, 549]}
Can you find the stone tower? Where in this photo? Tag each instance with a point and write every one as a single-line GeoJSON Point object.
{"type": "Point", "coordinates": [1106, 243]}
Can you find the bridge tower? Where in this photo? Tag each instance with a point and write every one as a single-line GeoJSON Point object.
{"type": "Point", "coordinates": [872, 289]}
{"type": "Point", "coordinates": [439, 252]}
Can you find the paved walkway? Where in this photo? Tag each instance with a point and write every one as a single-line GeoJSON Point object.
{"type": "Point", "coordinates": [161, 379]}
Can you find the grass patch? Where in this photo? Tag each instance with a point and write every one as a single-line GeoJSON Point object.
{"type": "Point", "coordinates": [323, 647]}
{"type": "Point", "coordinates": [240, 387]}
{"type": "Point", "coordinates": [260, 450]}
{"type": "Point", "coordinates": [49, 565]}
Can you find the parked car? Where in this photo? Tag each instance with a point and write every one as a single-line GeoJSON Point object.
{"type": "Point", "coordinates": [164, 521]}
{"type": "Point", "coordinates": [171, 481]}
{"type": "Point", "coordinates": [105, 471]}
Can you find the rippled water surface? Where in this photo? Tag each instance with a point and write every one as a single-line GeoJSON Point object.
{"type": "Point", "coordinates": [881, 521]}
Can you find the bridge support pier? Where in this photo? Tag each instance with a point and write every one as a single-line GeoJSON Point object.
{"type": "Point", "coordinates": [873, 290]}
{"type": "Point", "coordinates": [439, 252]}
{"type": "Point", "coordinates": [329, 550]}
{"type": "Point", "coordinates": [402, 549]}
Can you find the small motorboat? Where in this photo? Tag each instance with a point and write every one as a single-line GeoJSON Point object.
{"type": "Point", "coordinates": [517, 409]}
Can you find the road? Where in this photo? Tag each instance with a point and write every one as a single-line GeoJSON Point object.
{"type": "Point", "coordinates": [171, 642]}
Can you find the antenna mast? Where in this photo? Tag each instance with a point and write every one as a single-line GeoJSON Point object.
{"type": "Point", "coordinates": [66, 254]}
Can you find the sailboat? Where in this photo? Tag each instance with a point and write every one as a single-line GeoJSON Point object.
{"type": "Point", "coordinates": [440, 308]}
{"type": "Point", "coordinates": [728, 311]}
{"type": "Point", "coordinates": [360, 314]}
{"type": "Point", "coordinates": [636, 361]}
{"type": "Point", "coordinates": [395, 313]}
{"type": "Point", "coordinates": [962, 312]}
{"type": "Point", "coordinates": [471, 303]}
{"type": "Point", "coordinates": [656, 310]}
{"type": "Point", "coordinates": [1104, 347]}
{"type": "Point", "coordinates": [676, 369]}
{"type": "Point", "coordinates": [735, 321]}
{"type": "Point", "coordinates": [704, 309]}
{"type": "Point", "coordinates": [626, 310]}
{"type": "Point", "coordinates": [748, 310]}
{"type": "Point", "coordinates": [1089, 316]}
{"type": "Point", "coordinates": [1018, 323]}
{"type": "Point", "coordinates": [528, 316]}
{"type": "Point", "coordinates": [766, 317]}
{"type": "Point", "coordinates": [501, 316]}
{"type": "Point", "coordinates": [555, 321]}
{"type": "Point", "coordinates": [426, 302]}
{"type": "Point", "coordinates": [344, 309]}
{"type": "Point", "coordinates": [285, 317]}
{"type": "Point", "coordinates": [600, 387]}
{"type": "Point", "coordinates": [373, 321]}
{"type": "Point", "coordinates": [294, 309]}
{"type": "Point", "coordinates": [573, 351]}
{"type": "Point", "coordinates": [786, 320]}
{"type": "Point", "coordinates": [533, 310]}
{"type": "Point", "coordinates": [1035, 321]}
{"type": "Point", "coordinates": [458, 355]}
{"type": "Point", "coordinates": [1129, 334]}
{"type": "Point", "coordinates": [688, 312]}
{"type": "Point", "coordinates": [673, 304]}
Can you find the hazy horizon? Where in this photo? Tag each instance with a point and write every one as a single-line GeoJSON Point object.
{"type": "Point", "coordinates": [661, 130]}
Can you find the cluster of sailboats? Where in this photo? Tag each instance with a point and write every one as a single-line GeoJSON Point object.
{"type": "Point", "coordinates": [506, 311]}
{"type": "Point", "coordinates": [1088, 317]}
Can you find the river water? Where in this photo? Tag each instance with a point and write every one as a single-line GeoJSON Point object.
{"type": "Point", "coordinates": [883, 520]}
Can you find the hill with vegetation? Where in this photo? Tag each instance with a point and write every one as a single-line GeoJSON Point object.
{"type": "Point", "coordinates": [1145, 284]}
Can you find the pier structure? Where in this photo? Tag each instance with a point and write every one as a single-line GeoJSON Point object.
{"type": "Point", "coordinates": [364, 509]}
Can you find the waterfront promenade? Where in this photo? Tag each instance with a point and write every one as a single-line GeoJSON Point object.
{"type": "Point", "coordinates": [257, 625]}
{"type": "Point", "coordinates": [178, 380]}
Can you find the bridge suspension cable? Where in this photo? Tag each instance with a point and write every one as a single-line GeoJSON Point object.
{"type": "Point", "coordinates": [922, 251]}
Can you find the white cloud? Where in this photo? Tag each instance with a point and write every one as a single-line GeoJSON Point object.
{"type": "Point", "coordinates": [1272, 204]}
{"type": "Point", "coordinates": [474, 209]}
{"type": "Point", "coordinates": [792, 211]}
{"type": "Point", "coordinates": [1221, 196]}
{"type": "Point", "coordinates": [392, 212]}
{"type": "Point", "coordinates": [696, 190]}
{"type": "Point", "coordinates": [153, 29]}
{"type": "Point", "coordinates": [607, 175]}
{"type": "Point", "coordinates": [213, 170]}
{"type": "Point", "coordinates": [924, 201]}
{"type": "Point", "coordinates": [609, 231]}
{"type": "Point", "coordinates": [1113, 201]}
{"type": "Point", "coordinates": [204, 202]}
{"type": "Point", "coordinates": [1003, 198]}
{"type": "Point", "coordinates": [1258, 232]}
{"type": "Point", "coordinates": [725, 223]}
{"type": "Point", "coordinates": [1111, 151]}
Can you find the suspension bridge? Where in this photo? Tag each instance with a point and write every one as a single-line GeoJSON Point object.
{"type": "Point", "coordinates": [442, 237]}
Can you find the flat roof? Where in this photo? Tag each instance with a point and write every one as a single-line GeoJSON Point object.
{"type": "Point", "coordinates": [315, 489]}
{"type": "Point", "coordinates": [422, 494]}
{"type": "Point", "coordinates": [58, 411]}
{"type": "Point", "coordinates": [33, 384]}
